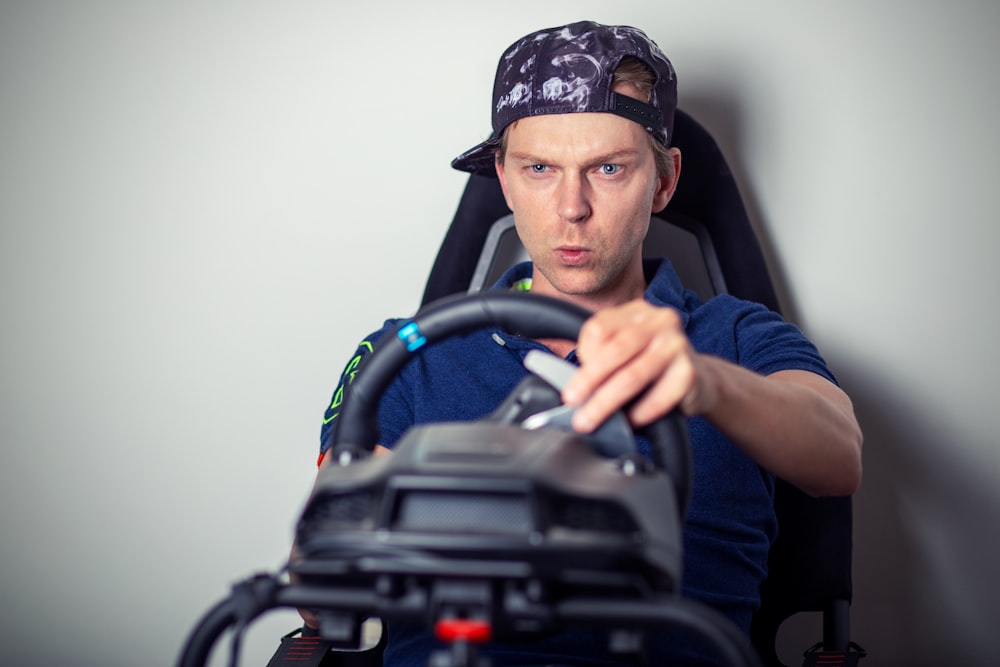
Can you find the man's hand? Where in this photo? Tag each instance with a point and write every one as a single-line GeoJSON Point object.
{"type": "Point", "coordinates": [796, 424]}
{"type": "Point", "coordinates": [631, 349]}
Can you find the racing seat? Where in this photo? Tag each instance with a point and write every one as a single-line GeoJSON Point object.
{"type": "Point", "coordinates": [706, 233]}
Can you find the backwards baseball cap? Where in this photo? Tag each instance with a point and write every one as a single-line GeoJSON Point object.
{"type": "Point", "coordinates": [570, 69]}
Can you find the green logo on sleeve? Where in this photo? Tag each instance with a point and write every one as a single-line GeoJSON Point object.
{"type": "Point", "coordinates": [347, 378]}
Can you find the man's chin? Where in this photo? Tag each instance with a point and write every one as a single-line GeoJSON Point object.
{"type": "Point", "coordinates": [570, 283]}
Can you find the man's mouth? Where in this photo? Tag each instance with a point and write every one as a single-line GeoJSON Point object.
{"type": "Point", "coordinates": [572, 255]}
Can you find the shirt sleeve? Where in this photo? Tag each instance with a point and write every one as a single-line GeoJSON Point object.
{"type": "Point", "coordinates": [330, 417]}
{"type": "Point", "coordinates": [766, 343]}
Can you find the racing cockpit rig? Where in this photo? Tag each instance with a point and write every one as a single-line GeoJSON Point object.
{"type": "Point", "coordinates": [503, 529]}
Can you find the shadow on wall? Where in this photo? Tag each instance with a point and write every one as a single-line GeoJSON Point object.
{"type": "Point", "coordinates": [926, 540]}
{"type": "Point", "coordinates": [927, 551]}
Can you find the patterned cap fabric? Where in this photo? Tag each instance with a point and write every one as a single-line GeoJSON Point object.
{"type": "Point", "coordinates": [570, 69]}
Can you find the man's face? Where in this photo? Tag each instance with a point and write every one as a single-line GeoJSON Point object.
{"type": "Point", "coordinates": [582, 187]}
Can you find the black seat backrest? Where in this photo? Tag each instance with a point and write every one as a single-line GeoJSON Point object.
{"type": "Point", "coordinates": [709, 238]}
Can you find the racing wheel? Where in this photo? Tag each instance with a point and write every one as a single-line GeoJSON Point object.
{"type": "Point", "coordinates": [525, 314]}
{"type": "Point", "coordinates": [502, 529]}
{"type": "Point", "coordinates": [517, 499]}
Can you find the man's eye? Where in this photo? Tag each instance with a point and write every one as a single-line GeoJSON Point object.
{"type": "Point", "coordinates": [610, 169]}
{"type": "Point", "coordinates": [538, 168]}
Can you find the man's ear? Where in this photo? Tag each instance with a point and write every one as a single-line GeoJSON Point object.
{"type": "Point", "coordinates": [667, 184]}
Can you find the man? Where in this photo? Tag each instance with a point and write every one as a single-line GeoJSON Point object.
{"type": "Point", "coordinates": [582, 120]}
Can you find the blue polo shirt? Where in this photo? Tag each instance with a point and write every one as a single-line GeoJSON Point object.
{"type": "Point", "coordinates": [730, 524]}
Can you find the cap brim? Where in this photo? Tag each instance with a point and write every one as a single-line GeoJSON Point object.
{"type": "Point", "coordinates": [479, 159]}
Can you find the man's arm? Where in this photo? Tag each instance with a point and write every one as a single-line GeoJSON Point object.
{"type": "Point", "coordinates": [796, 424]}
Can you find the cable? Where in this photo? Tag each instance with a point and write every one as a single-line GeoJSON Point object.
{"type": "Point", "coordinates": [206, 632]}
{"type": "Point", "coordinates": [247, 600]}
{"type": "Point", "coordinates": [250, 598]}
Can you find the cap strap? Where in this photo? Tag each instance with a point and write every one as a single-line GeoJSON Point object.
{"type": "Point", "coordinates": [645, 114]}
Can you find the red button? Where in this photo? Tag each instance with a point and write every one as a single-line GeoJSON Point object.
{"type": "Point", "coordinates": [453, 629]}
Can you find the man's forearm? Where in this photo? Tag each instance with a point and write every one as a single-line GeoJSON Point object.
{"type": "Point", "coordinates": [796, 424]}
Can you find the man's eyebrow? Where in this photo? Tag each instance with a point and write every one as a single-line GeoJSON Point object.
{"type": "Point", "coordinates": [522, 156]}
{"type": "Point", "coordinates": [619, 154]}
{"type": "Point", "coordinates": [531, 158]}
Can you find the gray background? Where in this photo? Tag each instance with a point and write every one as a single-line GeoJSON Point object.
{"type": "Point", "coordinates": [204, 206]}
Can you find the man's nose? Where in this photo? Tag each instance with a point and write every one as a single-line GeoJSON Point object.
{"type": "Point", "coordinates": [574, 204]}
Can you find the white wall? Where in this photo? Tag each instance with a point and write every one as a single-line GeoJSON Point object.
{"type": "Point", "coordinates": [203, 206]}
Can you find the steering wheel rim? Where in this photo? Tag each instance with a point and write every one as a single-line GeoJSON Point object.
{"type": "Point", "coordinates": [526, 314]}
